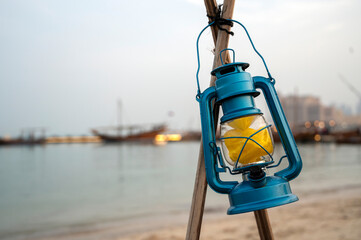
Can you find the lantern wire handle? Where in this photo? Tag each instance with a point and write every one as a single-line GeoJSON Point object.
{"type": "Point", "coordinates": [254, 48]}
{"type": "Point", "coordinates": [199, 62]}
{"type": "Point", "coordinates": [229, 49]}
{"type": "Point", "coordinates": [279, 162]}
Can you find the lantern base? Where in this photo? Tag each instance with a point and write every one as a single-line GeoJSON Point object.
{"type": "Point", "coordinates": [245, 198]}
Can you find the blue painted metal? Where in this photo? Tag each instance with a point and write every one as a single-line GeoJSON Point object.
{"type": "Point", "coordinates": [230, 49]}
{"type": "Point", "coordinates": [254, 48]}
{"type": "Point", "coordinates": [284, 131]}
{"type": "Point", "coordinates": [279, 162]}
{"type": "Point", "coordinates": [235, 90]}
{"type": "Point", "coordinates": [208, 135]}
{"type": "Point", "coordinates": [199, 61]}
{"type": "Point", "coordinates": [246, 198]}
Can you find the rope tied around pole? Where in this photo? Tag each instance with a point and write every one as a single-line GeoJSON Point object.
{"type": "Point", "coordinates": [219, 21]}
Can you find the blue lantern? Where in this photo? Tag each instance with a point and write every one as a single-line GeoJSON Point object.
{"type": "Point", "coordinates": [246, 140]}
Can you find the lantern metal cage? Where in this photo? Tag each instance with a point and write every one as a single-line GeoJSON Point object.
{"type": "Point", "coordinates": [235, 91]}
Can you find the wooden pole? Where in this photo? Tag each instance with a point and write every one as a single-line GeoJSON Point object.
{"type": "Point", "coordinates": [200, 186]}
{"type": "Point", "coordinates": [211, 8]}
{"type": "Point", "coordinates": [221, 39]}
{"type": "Point", "coordinates": [263, 224]}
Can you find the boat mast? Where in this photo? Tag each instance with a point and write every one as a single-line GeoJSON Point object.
{"type": "Point", "coordinates": [119, 116]}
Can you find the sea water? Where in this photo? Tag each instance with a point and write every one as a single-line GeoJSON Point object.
{"type": "Point", "coordinates": [53, 189]}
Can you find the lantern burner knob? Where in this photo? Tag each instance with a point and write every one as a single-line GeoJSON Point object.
{"type": "Point", "coordinates": [257, 177]}
{"type": "Point", "coordinates": [256, 172]}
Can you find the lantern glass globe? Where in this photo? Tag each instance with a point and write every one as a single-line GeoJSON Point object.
{"type": "Point", "coordinates": [248, 140]}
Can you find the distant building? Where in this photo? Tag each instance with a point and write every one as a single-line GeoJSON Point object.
{"type": "Point", "coordinates": [358, 107]}
{"type": "Point", "coordinates": [347, 110]}
{"type": "Point", "coordinates": [302, 109]}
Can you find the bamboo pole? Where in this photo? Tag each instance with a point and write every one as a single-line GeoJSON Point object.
{"type": "Point", "coordinates": [211, 8]}
{"type": "Point", "coordinates": [221, 39]}
{"type": "Point", "coordinates": [263, 224]}
{"type": "Point", "coordinates": [200, 186]}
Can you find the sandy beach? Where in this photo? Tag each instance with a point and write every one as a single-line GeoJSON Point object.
{"type": "Point", "coordinates": [327, 214]}
{"type": "Point", "coordinates": [332, 214]}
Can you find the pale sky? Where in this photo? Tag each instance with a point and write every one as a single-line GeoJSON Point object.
{"type": "Point", "coordinates": [65, 64]}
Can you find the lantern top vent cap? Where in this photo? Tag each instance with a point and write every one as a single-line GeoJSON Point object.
{"type": "Point", "coordinates": [243, 66]}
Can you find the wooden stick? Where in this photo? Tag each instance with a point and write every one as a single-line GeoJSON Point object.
{"type": "Point", "coordinates": [211, 8]}
{"type": "Point", "coordinates": [199, 198]}
{"type": "Point", "coordinates": [200, 185]}
{"type": "Point", "coordinates": [263, 224]}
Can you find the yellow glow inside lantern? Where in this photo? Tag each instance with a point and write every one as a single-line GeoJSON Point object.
{"type": "Point", "coordinates": [234, 135]}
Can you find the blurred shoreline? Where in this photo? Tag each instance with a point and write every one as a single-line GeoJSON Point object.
{"type": "Point", "coordinates": [325, 214]}
{"type": "Point", "coordinates": [98, 191]}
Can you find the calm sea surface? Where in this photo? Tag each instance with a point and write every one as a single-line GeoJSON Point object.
{"type": "Point", "coordinates": [58, 187]}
